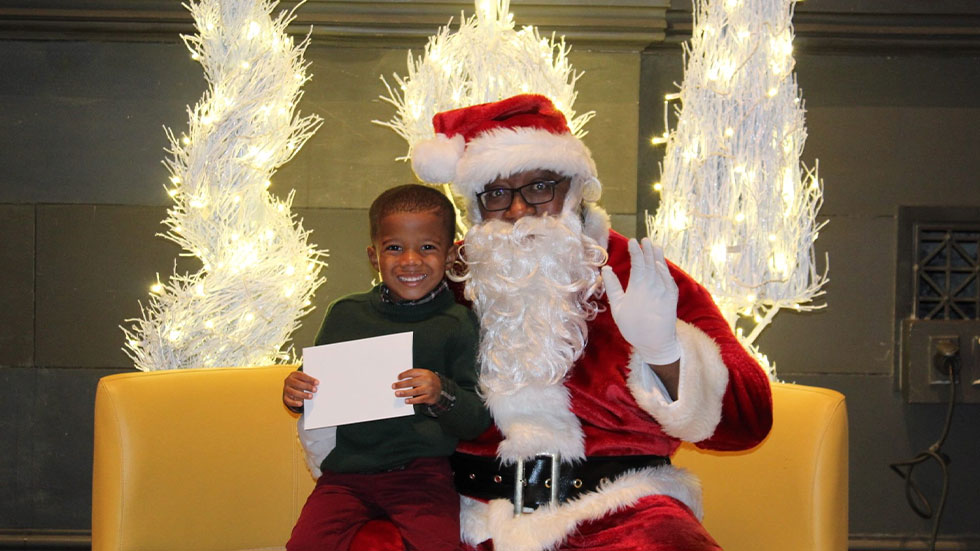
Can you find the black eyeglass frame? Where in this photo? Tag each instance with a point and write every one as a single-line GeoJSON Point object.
{"type": "Point", "coordinates": [552, 184]}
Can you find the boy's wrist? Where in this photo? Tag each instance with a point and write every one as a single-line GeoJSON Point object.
{"type": "Point", "coordinates": [446, 402]}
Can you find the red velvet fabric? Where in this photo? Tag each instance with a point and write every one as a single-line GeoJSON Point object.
{"type": "Point", "coordinates": [523, 111]}
{"type": "Point", "coordinates": [378, 535]}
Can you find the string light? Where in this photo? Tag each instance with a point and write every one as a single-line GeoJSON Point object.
{"type": "Point", "coordinates": [749, 190]}
{"type": "Point", "coordinates": [240, 305]}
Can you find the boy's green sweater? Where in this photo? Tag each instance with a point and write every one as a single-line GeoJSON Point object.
{"type": "Point", "coordinates": [445, 337]}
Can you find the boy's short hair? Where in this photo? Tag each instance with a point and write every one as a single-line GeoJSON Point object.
{"type": "Point", "coordinates": [412, 198]}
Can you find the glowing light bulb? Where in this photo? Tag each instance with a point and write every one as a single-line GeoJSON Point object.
{"type": "Point", "coordinates": [156, 288]}
{"type": "Point", "coordinates": [209, 324]}
{"type": "Point", "coordinates": [719, 253]}
{"type": "Point", "coordinates": [658, 187]}
{"type": "Point", "coordinates": [199, 289]}
{"type": "Point", "coordinates": [254, 29]}
{"type": "Point", "coordinates": [729, 132]}
{"type": "Point", "coordinates": [739, 217]}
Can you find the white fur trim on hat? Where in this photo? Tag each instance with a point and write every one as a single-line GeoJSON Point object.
{"type": "Point", "coordinates": [696, 413]}
{"type": "Point", "coordinates": [503, 152]}
{"type": "Point", "coordinates": [434, 160]}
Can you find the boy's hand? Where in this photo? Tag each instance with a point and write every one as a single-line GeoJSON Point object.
{"type": "Point", "coordinates": [422, 386]}
{"type": "Point", "coordinates": [297, 387]}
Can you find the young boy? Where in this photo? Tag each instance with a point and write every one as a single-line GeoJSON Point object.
{"type": "Point", "coordinates": [398, 468]}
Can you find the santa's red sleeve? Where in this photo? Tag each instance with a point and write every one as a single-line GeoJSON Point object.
{"type": "Point", "coordinates": [723, 399]}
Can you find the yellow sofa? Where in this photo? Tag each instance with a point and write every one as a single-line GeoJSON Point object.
{"type": "Point", "coordinates": [208, 459]}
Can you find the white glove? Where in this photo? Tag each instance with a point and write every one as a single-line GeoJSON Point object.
{"type": "Point", "coordinates": [646, 313]}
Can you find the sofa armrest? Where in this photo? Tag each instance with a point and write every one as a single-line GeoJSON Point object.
{"type": "Point", "coordinates": [204, 459]}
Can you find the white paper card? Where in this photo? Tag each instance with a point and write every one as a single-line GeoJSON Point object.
{"type": "Point", "coordinates": [355, 380]}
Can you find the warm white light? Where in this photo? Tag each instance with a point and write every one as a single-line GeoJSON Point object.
{"type": "Point", "coordinates": [254, 29]}
{"type": "Point", "coordinates": [719, 253]}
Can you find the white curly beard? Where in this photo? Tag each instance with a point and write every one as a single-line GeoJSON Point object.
{"type": "Point", "coordinates": [531, 284]}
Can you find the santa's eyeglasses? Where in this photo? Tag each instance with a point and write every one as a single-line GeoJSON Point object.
{"type": "Point", "coordinates": [535, 193]}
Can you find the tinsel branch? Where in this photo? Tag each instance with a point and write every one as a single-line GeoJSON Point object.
{"type": "Point", "coordinates": [258, 272]}
{"type": "Point", "coordinates": [484, 60]}
{"type": "Point", "coordinates": [737, 208]}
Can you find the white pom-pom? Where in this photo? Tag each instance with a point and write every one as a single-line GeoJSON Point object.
{"type": "Point", "coordinates": [434, 160]}
{"type": "Point", "coordinates": [591, 189]}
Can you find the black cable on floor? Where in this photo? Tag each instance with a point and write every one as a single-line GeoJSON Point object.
{"type": "Point", "coordinates": [917, 500]}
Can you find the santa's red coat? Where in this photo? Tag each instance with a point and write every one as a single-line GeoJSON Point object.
{"type": "Point", "coordinates": [723, 403]}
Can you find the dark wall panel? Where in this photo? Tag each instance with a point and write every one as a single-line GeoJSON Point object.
{"type": "Point", "coordinates": [97, 109]}
{"type": "Point", "coordinates": [17, 285]}
{"type": "Point", "coordinates": [853, 334]}
{"type": "Point", "coordinates": [94, 264]}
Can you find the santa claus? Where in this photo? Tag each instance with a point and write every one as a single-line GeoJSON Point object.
{"type": "Point", "coordinates": [598, 357]}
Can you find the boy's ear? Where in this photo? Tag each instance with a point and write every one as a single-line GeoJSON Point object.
{"type": "Point", "coordinates": [373, 257]}
{"type": "Point", "coordinates": [452, 256]}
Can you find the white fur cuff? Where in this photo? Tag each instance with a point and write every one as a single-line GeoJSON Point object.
{"type": "Point", "coordinates": [703, 379]}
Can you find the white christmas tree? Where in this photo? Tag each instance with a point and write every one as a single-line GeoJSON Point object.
{"type": "Point", "coordinates": [258, 272]}
{"type": "Point", "coordinates": [737, 207]}
{"type": "Point", "coordinates": [486, 59]}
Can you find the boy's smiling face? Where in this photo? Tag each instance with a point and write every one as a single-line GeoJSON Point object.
{"type": "Point", "coordinates": [411, 251]}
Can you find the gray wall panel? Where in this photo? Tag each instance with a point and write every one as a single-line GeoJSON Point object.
{"type": "Point", "coordinates": [856, 324]}
{"type": "Point", "coordinates": [18, 422]}
{"type": "Point", "coordinates": [99, 109]}
{"type": "Point", "coordinates": [17, 285]}
{"type": "Point", "coordinates": [95, 263]}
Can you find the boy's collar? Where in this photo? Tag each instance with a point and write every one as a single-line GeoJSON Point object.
{"type": "Point", "coordinates": [388, 299]}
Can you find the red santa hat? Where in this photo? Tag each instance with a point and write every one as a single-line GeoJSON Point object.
{"type": "Point", "coordinates": [475, 145]}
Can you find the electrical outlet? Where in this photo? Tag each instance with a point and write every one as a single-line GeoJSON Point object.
{"type": "Point", "coordinates": [941, 346]}
{"type": "Point", "coordinates": [922, 375]}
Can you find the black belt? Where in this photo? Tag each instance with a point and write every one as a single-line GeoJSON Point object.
{"type": "Point", "coordinates": [485, 478]}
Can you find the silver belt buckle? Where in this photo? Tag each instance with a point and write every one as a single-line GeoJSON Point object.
{"type": "Point", "coordinates": [519, 481]}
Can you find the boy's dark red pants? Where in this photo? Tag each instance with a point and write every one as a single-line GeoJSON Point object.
{"type": "Point", "coordinates": [419, 499]}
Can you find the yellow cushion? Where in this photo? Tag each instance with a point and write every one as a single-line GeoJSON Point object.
{"type": "Point", "coordinates": [195, 459]}
{"type": "Point", "coordinates": [788, 493]}
{"type": "Point", "coordinates": [208, 459]}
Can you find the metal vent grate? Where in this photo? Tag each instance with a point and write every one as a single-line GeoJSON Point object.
{"type": "Point", "coordinates": [947, 270]}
